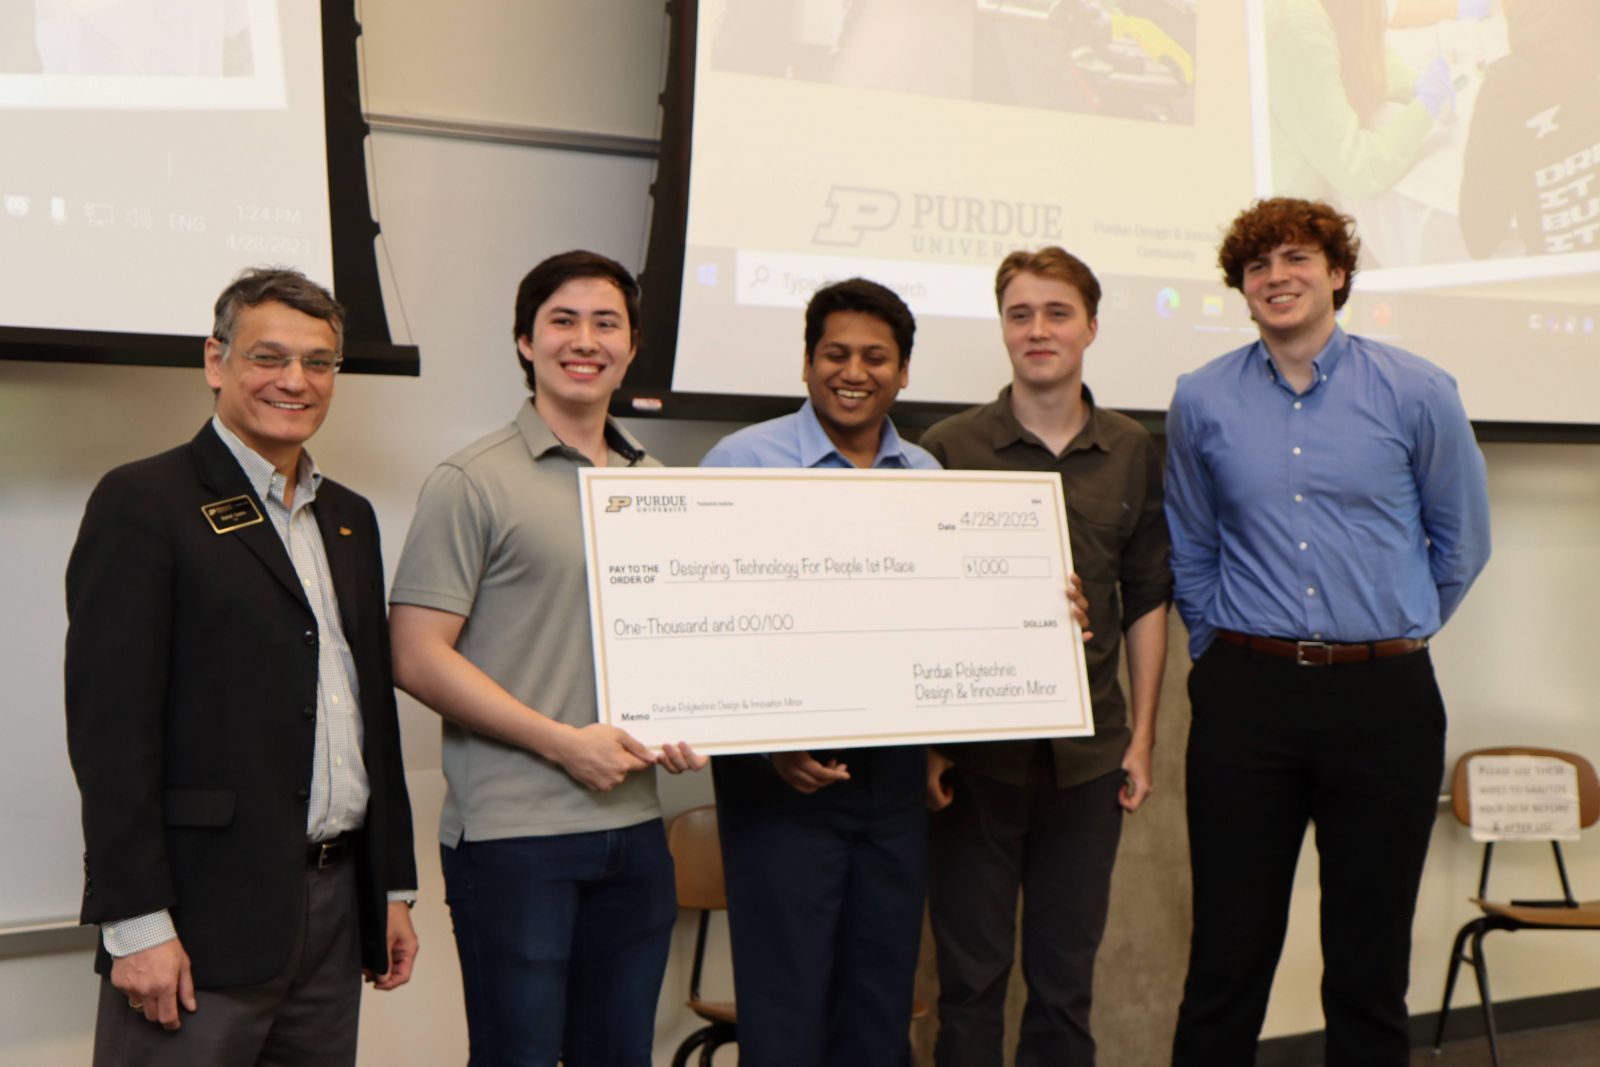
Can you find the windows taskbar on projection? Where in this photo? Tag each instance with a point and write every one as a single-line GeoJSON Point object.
{"type": "Point", "coordinates": [174, 350]}
{"type": "Point", "coordinates": [1519, 359]}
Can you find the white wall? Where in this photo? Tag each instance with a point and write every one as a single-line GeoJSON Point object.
{"type": "Point", "coordinates": [460, 234]}
{"type": "Point", "coordinates": [592, 66]}
{"type": "Point", "coordinates": [463, 221]}
{"type": "Point", "coordinates": [1517, 667]}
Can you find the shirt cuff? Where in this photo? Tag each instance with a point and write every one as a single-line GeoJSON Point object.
{"type": "Point", "coordinates": [127, 936]}
{"type": "Point", "coordinates": [408, 897]}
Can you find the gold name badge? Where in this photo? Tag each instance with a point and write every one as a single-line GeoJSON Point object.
{"type": "Point", "coordinates": [234, 513]}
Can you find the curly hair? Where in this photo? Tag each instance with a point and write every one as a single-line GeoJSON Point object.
{"type": "Point", "coordinates": [1266, 224]}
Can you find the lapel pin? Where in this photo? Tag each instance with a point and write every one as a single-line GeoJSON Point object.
{"type": "Point", "coordinates": [344, 531]}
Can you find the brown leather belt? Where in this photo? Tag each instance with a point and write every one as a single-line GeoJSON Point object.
{"type": "Point", "coordinates": [1324, 653]}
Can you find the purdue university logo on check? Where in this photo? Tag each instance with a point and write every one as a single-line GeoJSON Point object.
{"type": "Point", "coordinates": [617, 503]}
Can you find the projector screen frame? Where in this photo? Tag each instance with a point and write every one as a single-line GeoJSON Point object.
{"type": "Point", "coordinates": [369, 347]}
{"type": "Point", "coordinates": [647, 391]}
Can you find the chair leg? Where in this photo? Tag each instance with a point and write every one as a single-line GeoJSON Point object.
{"type": "Point", "coordinates": [1456, 959]}
{"type": "Point", "coordinates": [1480, 965]}
{"type": "Point", "coordinates": [695, 1040]}
{"type": "Point", "coordinates": [716, 1037]}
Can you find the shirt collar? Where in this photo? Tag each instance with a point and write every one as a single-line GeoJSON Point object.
{"type": "Point", "coordinates": [1322, 364]}
{"type": "Point", "coordinates": [815, 445]}
{"type": "Point", "coordinates": [1000, 422]}
{"type": "Point", "coordinates": [542, 441]}
{"type": "Point", "coordinates": [263, 476]}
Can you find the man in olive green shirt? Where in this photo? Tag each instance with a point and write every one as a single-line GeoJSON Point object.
{"type": "Point", "coordinates": [1045, 816]}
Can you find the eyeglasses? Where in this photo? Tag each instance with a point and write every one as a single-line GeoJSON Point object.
{"type": "Point", "coordinates": [313, 366]}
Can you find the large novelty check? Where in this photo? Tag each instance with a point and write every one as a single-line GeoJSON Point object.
{"type": "Point", "coordinates": [763, 610]}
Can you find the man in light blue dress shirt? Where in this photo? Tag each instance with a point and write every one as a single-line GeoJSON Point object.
{"type": "Point", "coordinates": [1329, 510]}
{"type": "Point", "coordinates": [825, 854]}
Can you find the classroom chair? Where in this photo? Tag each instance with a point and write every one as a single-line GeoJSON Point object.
{"type": "Point", "coordinates": [1564, 913]}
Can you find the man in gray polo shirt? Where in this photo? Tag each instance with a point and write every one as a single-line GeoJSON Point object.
{"type": "Point", "coordinates": [556, 868]}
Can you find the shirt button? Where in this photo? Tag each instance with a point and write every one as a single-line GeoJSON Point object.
{"type": "Point", "coordinates": [1302, 546]}
{"type": "Point", "coordinates": [1297, 405]}
{"type": "Point", "coordinates": [1317, 637]}
{"type": "Point", "coordinates": [310, 637]}
{"type": "Point", "coordinates": [1311, 591]}
{"type": "Point", "coordinates": [1298, 498]}
{"type": "Point", "coordinates": [334, 699]}
{"type": "Point", "coordinates": [338, 761]}
{"type": "Point", "coordinates": [306, 582]}
{"type": "Point", "coordinates": [1296, 450]}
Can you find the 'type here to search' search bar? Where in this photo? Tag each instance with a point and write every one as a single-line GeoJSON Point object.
{"type": "Point", "coordinates": [787, 280]}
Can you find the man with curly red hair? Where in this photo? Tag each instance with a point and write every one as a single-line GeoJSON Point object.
{"type": "Point", "coordinates": [1329, 509]}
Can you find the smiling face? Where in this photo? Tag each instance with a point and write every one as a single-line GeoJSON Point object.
{"type": "Point", "coordinates": [1290, 293]}
{"type": "Point", "coordinates": [1046, 327]}
{"type": "Point", "coordinates": [853, 376]}
{"type": "Point", "coordinates": [273, 412]}
{"type": "Point", "coordinates": [580, 345]}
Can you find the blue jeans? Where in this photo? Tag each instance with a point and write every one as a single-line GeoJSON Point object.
{"type": "Point", "coordinates": [563, 943]}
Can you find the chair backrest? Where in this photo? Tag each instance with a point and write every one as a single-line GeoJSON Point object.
{"type": "Point", "coordinates": [1588, 783]}
{"type": "Point", "coordinates": [697, 857]}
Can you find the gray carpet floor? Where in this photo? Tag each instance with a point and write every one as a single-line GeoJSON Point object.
{"type": "Point", "coordinates": [1566, 1046]}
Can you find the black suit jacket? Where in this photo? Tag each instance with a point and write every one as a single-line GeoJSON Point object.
{"type": "Point", "coordinates": [191, 692]}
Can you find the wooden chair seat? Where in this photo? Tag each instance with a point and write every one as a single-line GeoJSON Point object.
{"type": "Point", "coordinates": [1585, 916]}
{"type": "Point", "coordinates": [714, 1011]}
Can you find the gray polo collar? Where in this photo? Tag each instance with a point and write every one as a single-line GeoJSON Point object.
{"type": "Point", "coordinates": [541, 441]}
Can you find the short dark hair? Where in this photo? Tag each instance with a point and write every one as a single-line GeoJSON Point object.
{"type": "Point", "coordinates": [867, 297]}
{"type": "Point", "coordinates": [1052, 261]}
{"type": "Point", "coordinates": [258, 285]}
{"type": "Point", "coordinates": [1266, 224]}
{"type": "Point", "coordinates": [540, 283]}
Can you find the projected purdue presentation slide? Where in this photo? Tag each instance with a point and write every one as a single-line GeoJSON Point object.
{"type": "Point", "coordinates": [152, 148]}
{"type": "Point", "coordinates": [916, 142]}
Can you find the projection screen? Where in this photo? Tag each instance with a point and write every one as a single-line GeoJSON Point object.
{"type": "Point", "coordinates": [916, 142]}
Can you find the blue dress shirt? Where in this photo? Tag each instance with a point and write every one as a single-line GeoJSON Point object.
{"type": "Point", "coordinates": [1355, 511]}
{"type": "Point", "coordinates": [799, 440]}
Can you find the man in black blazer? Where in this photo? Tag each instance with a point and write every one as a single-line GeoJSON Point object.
{"type": "Point", "coordinates": [231, 720]}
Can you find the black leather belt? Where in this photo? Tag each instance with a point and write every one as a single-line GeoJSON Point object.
{"type": "Point", "coordinates": [324, 854]}
{"type": "Point", "coordinates": [1324, 653]}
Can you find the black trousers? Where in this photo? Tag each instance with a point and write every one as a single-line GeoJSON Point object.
{"type": "Point", "coordinates": [1356, 749]}
{"type": "Point", "coordinates": [305, 1016]}
{"type": "Point", "coordinates": [825, 897]}
{"type": "Point", "coordinates": [1057, 847]}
